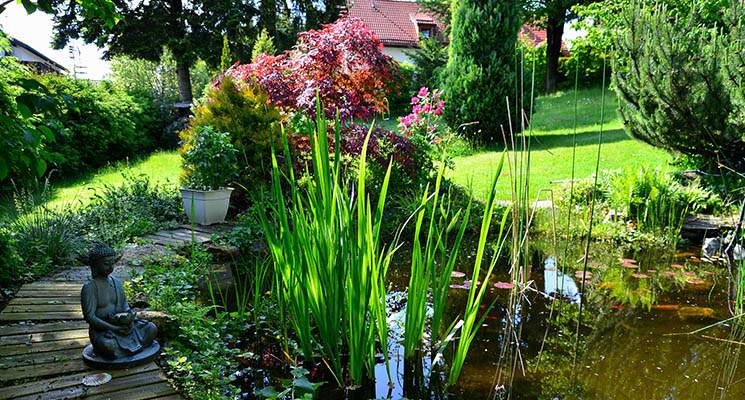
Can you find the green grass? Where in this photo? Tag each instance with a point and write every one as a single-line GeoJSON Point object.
{"type": "Point", "coordinates": [551, 158]}
{"type": "Point", "coordinates": [162, 167]}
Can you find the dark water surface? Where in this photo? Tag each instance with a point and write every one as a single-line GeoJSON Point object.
{"type": "Point", "coordinates": [633, 342]}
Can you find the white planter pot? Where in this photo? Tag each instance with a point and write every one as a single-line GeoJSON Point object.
{"type": "Point", "coordinates": [206, 207]}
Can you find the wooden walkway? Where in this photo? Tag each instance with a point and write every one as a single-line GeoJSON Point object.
{"type": "Point", "coordinates": [42, 336]}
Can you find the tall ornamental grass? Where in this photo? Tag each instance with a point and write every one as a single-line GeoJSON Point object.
{"type": "Point", "coordinates": [329, 263]}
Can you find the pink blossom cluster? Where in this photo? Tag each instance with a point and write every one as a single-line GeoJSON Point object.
{"type": "Point", "coordinates": [343, 62]}
{"type": "Point", "coordinates": [425, 119]}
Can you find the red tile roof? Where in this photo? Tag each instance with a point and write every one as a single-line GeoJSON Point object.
{"type": "Point", "coordinates": [394, 21]}
{"type": "Point", "coordinates": [536, 36]}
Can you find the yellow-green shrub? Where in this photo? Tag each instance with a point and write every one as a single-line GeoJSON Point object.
{"type": "Point", "coordinates": [243, 111]}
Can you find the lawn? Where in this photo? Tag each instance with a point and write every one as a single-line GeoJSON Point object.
{"type": "Point", "coordinates": [161, 167]}
{"type": "Point", "coordinates": [551, 155]}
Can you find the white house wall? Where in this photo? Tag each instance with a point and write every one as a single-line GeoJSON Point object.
{"type": "Point", "coordinates": [398, 54]}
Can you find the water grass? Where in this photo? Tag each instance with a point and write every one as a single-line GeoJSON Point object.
{"type": "Point", "coordinates": [329, 262]}
{"type": "Point", "coordinates": [432, 262]}
{"type": "Point", "coordinates": [471, 320]}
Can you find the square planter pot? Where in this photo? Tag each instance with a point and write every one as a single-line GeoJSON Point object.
{"type": "Point", "coordinates": [206, 207]}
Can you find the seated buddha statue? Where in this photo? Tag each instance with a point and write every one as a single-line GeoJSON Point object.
{"type": "Point", "coordinates": [114, 331]}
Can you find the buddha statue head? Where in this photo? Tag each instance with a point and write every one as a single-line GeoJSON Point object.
{"type": "Point", "coordinates": [101, 259]}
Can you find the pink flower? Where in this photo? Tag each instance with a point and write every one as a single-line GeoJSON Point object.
{"type": "Point", "coordinates": [423, 91]}
{"type": "Point", "coordinates": [438, 111]}
{"type": "Point", "coordinates": [441, 103]}
{"type": "Point", "coordinates": [414, 100]}
{"type": "Point", "coordinates": [436, 95]}
{"type": "Point", "coordinates": [417, 109]}
{"type": "Point", "coordinates": [427, 108]}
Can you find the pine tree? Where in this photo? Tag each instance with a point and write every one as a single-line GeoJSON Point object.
{"type": "Point", "coordinates": [264, 45]}
{"type": "Point", "coordinates": [668, 74]}
{"type": "Point", "coordinates": [225, 58]}
{"type": "Point", "coordinates": [480, 71]}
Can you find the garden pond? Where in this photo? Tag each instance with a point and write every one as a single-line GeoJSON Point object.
{"type": "Point", "coordinates": [635, 339]}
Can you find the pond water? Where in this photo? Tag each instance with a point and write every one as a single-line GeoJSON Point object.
{"type": "Point", "coordinates": [632, 345]}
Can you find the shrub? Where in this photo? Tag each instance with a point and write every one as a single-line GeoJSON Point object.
{"type": "Point", "coordinates": [533, 55]}
{"type": "Point", "coordinates": [45, 239]}
{"type": "Point", "coordinates": [655, 200]}
{"type": "Point", "coordinates": [241, 109]}
{"type": "Point", "coordinates": [480, 70]}
{"type": "Point", "coordinates": [11, 264]}
{"type": "Point", "coordinates": [96, 124]}
{"type": "Point", "coordinates": [399, 90]}
{"type": "Point", "coordinates": [667, 75]}
{"type": "Point", "coordinates": [136, 208]}
{"type": "Point", "coordinates": [585, 60]}
{"type": "Point", "coordinates": [429, 60]}
{"type": "Point", "coordinates": [209, 159]}
{"type": "Point", "coordinates": [24, 135]}
{"type": "Point", "coordinates": [343, 62]}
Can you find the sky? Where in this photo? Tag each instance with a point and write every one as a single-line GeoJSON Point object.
{"type": "Point", "coordinates": [36, 31]}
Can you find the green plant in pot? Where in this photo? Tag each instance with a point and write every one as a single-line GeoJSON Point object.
{"type": "Point", "coordinates": [209, 165]}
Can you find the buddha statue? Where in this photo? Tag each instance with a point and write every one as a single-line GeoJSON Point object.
{"type": "Point", "coordinates": [118, 338]}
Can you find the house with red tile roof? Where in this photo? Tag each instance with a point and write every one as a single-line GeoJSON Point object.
{"type": "Point", "coordinates": [401, 23]}
{"type": "Point", "coordinates": [398, 23]}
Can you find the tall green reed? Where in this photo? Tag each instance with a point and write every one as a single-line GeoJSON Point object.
{"type": "Point", "coordinates": [471, 321]}
{"type": "Point", "coordinates": [432, 262]}
{"type": "Point", "coordinates": [329, 262]}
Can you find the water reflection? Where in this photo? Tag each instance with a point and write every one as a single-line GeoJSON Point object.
{"type": "Point", "coordinates": [555, 282]}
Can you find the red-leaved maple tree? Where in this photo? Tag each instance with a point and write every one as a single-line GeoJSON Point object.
{"type": "Point", "coordinates": [343, 62]}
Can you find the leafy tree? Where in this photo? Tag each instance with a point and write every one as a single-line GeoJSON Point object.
{"type": "Point", "coordinates": [429, 59]}
{"type": "Point", "coordinates": [480, 72]}
{"type": "Point", "coordinates": [264, 45]}
{"type": "Point", "coordinates": [552, 15]}
{"type": "Point", "coordinates": [156, 80]}
{"type": "Point", "coordinates": [189, 30]}
{"type": "Point", "coordinates": [668, 77]}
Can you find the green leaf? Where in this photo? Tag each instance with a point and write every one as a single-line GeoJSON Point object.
{"type": "Point", "coordinates": [267, 393]}
{"type": "Point", "coordinates": [303, 385]}
{"type": "Point", "coordinates": [25, 111]}
{"type": "Point", "coordinates": [3, 169]}
{"type": "Point", "coordinates": [41, 167]}
{"type": "Point", "coordinates": [29, 6]}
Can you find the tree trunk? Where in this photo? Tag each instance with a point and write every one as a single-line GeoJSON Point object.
{"type": "Point", "coordinates": [184, 81]}
{"type": "Point", "coordinates": [554, 32]}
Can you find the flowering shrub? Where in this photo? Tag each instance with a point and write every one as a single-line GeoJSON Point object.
{"type": "Point", "coordinates": [409, 167]}
{"type": "Point", "coordinates": [425, 120]}
{"type": "Point", "coordinates": [343, 62]}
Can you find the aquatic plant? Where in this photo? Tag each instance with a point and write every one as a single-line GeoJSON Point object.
{"type": "Point", "coordinates": [471, 320]}
{"type": "Point", "coordinates": [432, 263]}
{"type": "Point", "coordinates": [329, 263]}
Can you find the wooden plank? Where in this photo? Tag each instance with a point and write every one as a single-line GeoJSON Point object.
{"type": "Point", "coordinates": [41, 327]}
{"type": "Point", "coordinates": [42, 370]}
{"type": "Point", "coordinates": [51, 285]}
{"type": "Point", "coordinates": [43, 337]}
{"type": "Point", "coordinates": [43, 300]}
{"type": "Point", "coordinates": [116, 384]}
{"type": "Point", "coordinates": [66, 344]}
{"type": "Point", "coordinates": [46, 316]}
{"type": "Point", "coordinates": [66, 381]}
{"type": "Point", "coordinates": [34, 308]}
{"type": "Point", "coordinates": [47, 293]}
{"type": "Point", "coordinates": [138, 393]}
{"type": "Point", "coordinates": [39, 358]}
